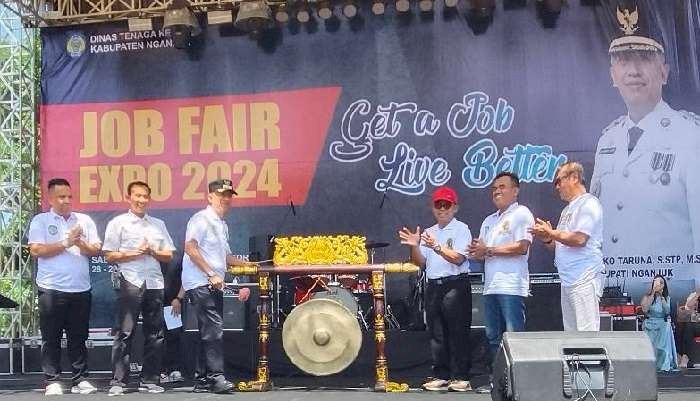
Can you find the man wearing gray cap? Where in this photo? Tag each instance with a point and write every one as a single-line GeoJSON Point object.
{"type": "Point", "coordinates": [207, 254]}
{"type": "Point", "coordinates": [646, 164]}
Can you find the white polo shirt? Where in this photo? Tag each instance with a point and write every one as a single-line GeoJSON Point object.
{"type": "Point", "coordinates": [507, 274]}
{"type": "Point", "coordinates": [126, 233]}
{"type": "Point", "coordinates": [69, 271]}
{"type": "Point", "coordinates": [455, 235]}
{"type": "Point", "coordinates": [578, 265]}
{"type": "Point", "coordinates": [211, 233]}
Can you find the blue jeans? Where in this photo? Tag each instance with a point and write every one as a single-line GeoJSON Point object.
{"type": "Point", "coordinates": [502, 313]}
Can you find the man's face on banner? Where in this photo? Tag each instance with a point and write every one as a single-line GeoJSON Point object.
{"type": "Point", "coordinates": [138, 199]}
{"type": "Point", "coordinates": [639, 76]}
{"type": "Point", "coordinates": [60, 198]}
{"type": "Point", "coordinates": [220, 202]}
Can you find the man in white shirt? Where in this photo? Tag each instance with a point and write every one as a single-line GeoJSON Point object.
{"type": "Point", "coordinates": [62, 241]}
{"type": "Point", "coordinates": [577, 249]}
{"type": "Point", "coordinates": [441, 250]}
{"type": "Point", "coordinates": [137, 243]}
{"type": "Point", "coordinates": [504, 245]}
{"type": "Point", "coordinates": [207, 255]}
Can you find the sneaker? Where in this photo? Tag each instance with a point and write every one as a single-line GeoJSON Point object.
{"type": "Point", "coordinates": [175, 377]}
{"type": "Point", "coordinates": [435, 385]}
{"type": "Point", "coordinates": [54, 389]}
{"type": "Point", "coordinates": [201, 386]}
{"type": "Point", "coordinates": [459, 385]}
{"type": "Point", "coordinates": [485, 389]}
{"type": "Point", "coordinates": [222, 387]}
{"type": "Point", "coordinates": [115, 390]}
{"type": "Point", "coordinates": [84, 387]}
{"type": "Point", "coordinates": [151, 388]}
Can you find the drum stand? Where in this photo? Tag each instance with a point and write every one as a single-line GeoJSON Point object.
{"type": "Point", "coordinates": [391, 321]}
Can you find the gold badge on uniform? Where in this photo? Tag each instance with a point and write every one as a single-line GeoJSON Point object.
{"type": "Point", "coordinates": [505, 227]}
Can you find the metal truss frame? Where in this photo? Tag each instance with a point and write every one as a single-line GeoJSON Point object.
{"type": "Point", "coordinates": [18, 167]}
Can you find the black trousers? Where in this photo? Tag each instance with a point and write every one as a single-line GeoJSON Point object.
{"type": "Point", "coordinates": [131, 301]}
{"type": "Point", "coordinates": [59, 311]}
{"type": "Point", "coordinates": [208, 305]}
{"type": "Point", "coordinates": [449, 315]}
{"type": "Point", "coordinates": [686, 333]}
{"type": "Point", "coordinates": [173, 354]}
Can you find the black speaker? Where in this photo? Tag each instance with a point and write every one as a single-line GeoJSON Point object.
{"type": "Point", "coordinates": [574, 366]}
{"type": "Point", "coordinates": [237, 315]}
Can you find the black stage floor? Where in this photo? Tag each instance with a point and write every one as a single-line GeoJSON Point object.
{"type": "Point", "coordinates": [681, 386]}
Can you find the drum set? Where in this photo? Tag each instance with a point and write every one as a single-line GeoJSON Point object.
{"type": "Point", "coordinates": [354, 291]}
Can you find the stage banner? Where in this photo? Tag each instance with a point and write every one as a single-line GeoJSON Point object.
{"type": "Point", "coordinates": [347, 127]}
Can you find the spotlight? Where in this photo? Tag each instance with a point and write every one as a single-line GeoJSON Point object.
{"type": "Point", "coordinates": [548, 11]}
{"type": "Point", "coordinates": [182, 23]}
{"type": "Point", "coordinates": [350, 8]}
{"type": "Point", "coordinates": [378, 7]}
{"type": "Point", "coordinates": [480, 15]}
{"type": "Point", "coordinates": [451, 3]}
{"type": "Point", "coordinates": [282, 14]}
{"type": "Point", "coordinates": [425, 5]}
{"type": "Point", "coordinates": [303, 15]}
{"type": "Point", "coordinates": [140, 24]}
{"type": "Point", "coordinates": [403, 6]}
{"type": "Point", "coordinates": [324, 9]}
{"type": "Point", "coordinates": [253, 15]}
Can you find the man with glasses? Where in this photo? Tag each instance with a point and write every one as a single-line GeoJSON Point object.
{"type": "Point", "coordinates": [503, 245]}
{"type": "Point", "coordinates": [207, 255]}
{"type": "Point", "coordinates": [577, 249]}
{"type": "Point", "coordinates": [441, 250]}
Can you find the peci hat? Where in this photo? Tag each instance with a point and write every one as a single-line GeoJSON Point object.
{"type": "Point", "coordinates": [632, 39]}
{"type": "Point", "coordinates": [222, 185]}
{"type": "Point", "coordinates": [445, 194]}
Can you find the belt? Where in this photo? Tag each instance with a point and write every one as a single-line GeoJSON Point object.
{"type": "Point", "coordinates": [447, 279]}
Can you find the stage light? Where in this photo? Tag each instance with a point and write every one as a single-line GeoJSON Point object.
{"type": "Point", "coordinates": [253, 15]}
{"type": "Point", "coordinates": [324, 9]}
{"type": "Point", "coordinates": [302, 14]}
{"type": "Point", "coordinates": [140, 24]}
{"type": "Point", "coordinates": [548, 11]}
{"type": "Point", "coordinates": [425, 5]}
{"type": "Point", "coordinates": [451, 3]}
{"type": "Point", "coordinates": [480, 15]}
{"type": "Point", "coordinates": [403, 6]}
{"type": "Point", "coordinates": [282, 13]}
{"type": "Point", "coordinates": [216, 17]}
{"type": "Point", "coordinates": [378, 7]}
{"type": "Point", "coordinates": [182, 23]}
{"type": "Point", "coordinates": [350, 8]}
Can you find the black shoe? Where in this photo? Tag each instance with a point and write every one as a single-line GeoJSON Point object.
{"type": "Point", "coordinates": [201, 386]}
{"type": "Point", "coordinates": [222, 387]}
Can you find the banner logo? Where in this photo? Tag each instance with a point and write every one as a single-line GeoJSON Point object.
{"type": "Point", "coordinates": [75, 46]}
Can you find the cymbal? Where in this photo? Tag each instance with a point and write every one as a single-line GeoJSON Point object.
{"type": "Point", "coordinates": [375, 244]}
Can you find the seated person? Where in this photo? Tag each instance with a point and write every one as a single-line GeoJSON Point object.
{"type": "Point", "coordinates": [687, 328]}
{"type": "Point", "coordinates": [656, 305]}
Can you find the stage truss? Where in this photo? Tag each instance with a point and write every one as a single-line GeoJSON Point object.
{"type": "Point", "coordinates": [19, 78]}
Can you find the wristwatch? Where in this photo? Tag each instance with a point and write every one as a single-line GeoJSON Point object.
{"type": "Point", "coordinates": [211, 274]}
{"type": "Point", "coordinates": [489, 252]}
{"type": "Point", "coordinates": [437, 248]}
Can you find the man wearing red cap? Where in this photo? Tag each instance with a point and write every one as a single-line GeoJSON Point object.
{"type": "Point", "coordinates": [441, 250]}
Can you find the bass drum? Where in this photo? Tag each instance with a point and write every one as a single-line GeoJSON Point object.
{"type": "Point", "coordinates": [340, 295]}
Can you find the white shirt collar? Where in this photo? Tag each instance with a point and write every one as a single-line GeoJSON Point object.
{"type": "Point", "coordinates": [508, 209]}
{"type": "Point", "coordinates": [133, 217]}
{"type": "Point", "coordinates": [58, 216]}
{"type": "Point", "coordinates": [210, 211]}
{"type": "Point", "coordinates": [651, 120]}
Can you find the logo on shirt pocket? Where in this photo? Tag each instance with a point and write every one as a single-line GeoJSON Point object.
{"type": "Point", "coordinates": [450, 243]}
{"type": "Point", "coordinates": [53, 230]}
